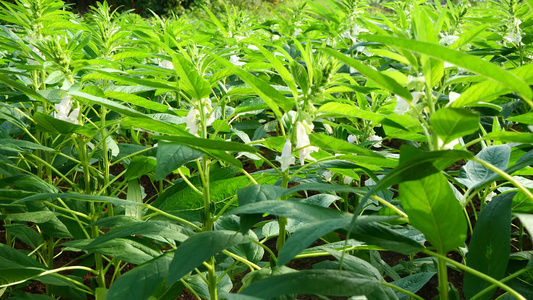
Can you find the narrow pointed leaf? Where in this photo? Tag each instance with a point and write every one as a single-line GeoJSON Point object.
{"type": "Point", "coordinates": [377, 77]}
{"type": "Point", "coordinates": [466, 61]}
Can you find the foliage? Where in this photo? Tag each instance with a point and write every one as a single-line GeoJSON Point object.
{"type": "Point", "coordinates": [211, 154]}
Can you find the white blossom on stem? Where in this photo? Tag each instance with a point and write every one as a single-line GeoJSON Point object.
{"type": "Point", "coordinates": [63, 110]}
{"type": "Point", "coordinates": [449, 146]}
{"type": "Point", "coordinates": [192, 121]}
{"type": "Point", "coordinates": [402, 105]}
{"type": "Point", "coordinates": [286, 159]}
{"type": "Point", "coordinates": [328, 175]}
{"type": "Point", "coordinates": [375, 138]}
{"type": "Point", "coordinates": [351, 139]}
{"type": "Point", "coordinates": [453, 96]}
{"type": "Point", "coordinates": [234, 59]}
{"type": "Point", "coordinates": [348, 180]}
{"type": "Point", "coordinates": [302, 141]}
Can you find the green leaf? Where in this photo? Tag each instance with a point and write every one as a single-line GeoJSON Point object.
{"type": "Point", "coordinates": [142, 281]}
{"type": "Point", "coordinates": [171, 155]}
{"type": "Point", "coordinates": [377, 77]}
{"type": "Point", "coordinates": [123, 249]}
{"type": "Point", "coordinates": [27, 235]}
{"type": "Point", "coordinates": [83, 197]}
{"type": "Point", "coordinates": [290, 209]}
{"type": "Point", "coordinates": [208, 143]}
{"type": "Point", "coordinates": [488, 91]}
{"type": "Point", "coordinates": [270, 95]}
{"type": "Point", "coordinates": [452, 123]}
{"type": "Point", "coordinates": [323, 282]}
{"type": "Point", "coordinates": [199, 248]}
{"type": "Point", "coordinates": [326, 142]}
{"type": "Point", "coordinates": [256, 193]}
{"type": "Point", "coordinates": [526, 118]}
{"type": "Point", "coordinates": [137, 100]}
{"type": "Point", "coordinates": [412, 283]}
{"type": "Point", "coordinates": [489, 248]}
{"type": "Point", "coordinates": [36, 217]}
{"type": "Point", "coordinates": [282, 71]}
{"type": "Point", "coordinates": [433, 209]}
{"type": "Point", "coordinates": [140, 165]}
{"type": "Point", "coordinates": [474, 173]}
{"type": "Point", "coordinates": [155, 229]}
{"type": "Point", "coordinates": [119, 108]}
{"type": "Point", "coordinates": [384, 237]}
{"type": "Point", "coordinates": [189, 80]}
{"type": "Point", "coordinates": [300, 76]}
{"type": "Point", "coordinates": [466, 61]}
{"type": "Point", "coordinates": [307, 234]}
{"type": "Point", "coordinates": [153, 125]}
{"type": "Point", "coordinates": [510, 137]}
{"type": "Point", "coordinates": [54, 77]}
{"type": "Point", "coordinates": [53, 125]}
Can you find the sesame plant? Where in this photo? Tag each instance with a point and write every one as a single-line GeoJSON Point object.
{"type": "Point", "coordinates": [356, 149]}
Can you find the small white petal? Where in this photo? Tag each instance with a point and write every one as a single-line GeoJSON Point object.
{"type": "Point", "coordinates": [327, 175]}
{"type": "Point", "coordinates": [234, 59]}
{"type": "Point", "coordinates": [375, 138]}
{"type": "Point", "coordinates": [192, 122]}
{"type": "Point", "coordinates": [286, 159]}
{"type": "Point", "coordinates": [351, 139]}
{"type": "Point", "coordinates": [348, 180]}
{"type": "Point", "coordinates": [453, 96]}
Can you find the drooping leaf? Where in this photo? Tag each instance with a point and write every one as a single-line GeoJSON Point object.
{"type": "Point", "coordinates": [172, 155]}
{"type": "Point", "coordinates": [141, 282]}
{"type": "Point", "coordinates": [489, 247]}
{"type": "Point", "coordinates": [323, 282]}
{"type": "Point", "coordinates": [199, 248]}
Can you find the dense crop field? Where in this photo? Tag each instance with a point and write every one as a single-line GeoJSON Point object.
{"type": "Point", "coordinates": [340, 149]}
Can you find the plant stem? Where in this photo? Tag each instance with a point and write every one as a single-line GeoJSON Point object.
{"type": "Point", "coordinates": [493, 286]}
{"type": "Point", "coordinates": [476, 273]}
{"type": "Point", "coordinates": [282, 222]}
{"type": "Point", "coordinates": [443, 278]}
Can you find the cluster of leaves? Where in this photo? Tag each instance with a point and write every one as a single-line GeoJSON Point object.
{"type": "Point", "coordinates": [155, 145]}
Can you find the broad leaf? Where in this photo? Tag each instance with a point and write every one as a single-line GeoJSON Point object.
{"type": "Point", "coordinates": [453, 123]}
{"type": "Point", "coordinates": [172, 155]}
{"type": "Point", "coordinates": [433, 209]}
{"type": "Point", "coordinates": [474, 173]}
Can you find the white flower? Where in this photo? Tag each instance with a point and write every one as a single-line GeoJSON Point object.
{"type": "Point", "coordinates": [286, 159]}
{"type": "Point", "coordinates": [302, 141]}
{"type": "Point", "coordinates": [234, 59]}
{"type": "Point", "coordinates": [375, 138]}
{"type": "Point", "coordinates": [166, 64]}
{"type": "Point", "coordinates": [453, 96]}
{"type": "Point", "coordinates": [63, 110]}
{"type": "Point", "coordinates": [297, 32]}
{"type": "Point", "coordinates": [530, 127]}
{"type": "Point", "coordinates": [327, 175]}
{"type": "Point", "coordinates": [208, 111]}
{"type": "Point", "coordinates": [348, 180]}
{"type": "Point", "coordinates": [238, 38]}
{"type": "Point", "coordinates": [402, 106]}
{"type": "Point", "coordinates": [448, 40]}
{"type": "Point", "coordinates": [253, 47]}
{"type": "Point", "coordinates": [192, 122]}
{"type": "Point", "coordinates": [449, 146]}
{"type": "Point", "coordinates": [351, 139]}
{"type": "Point", "coordinates": [490, 196]}
{"type": "Point", "coordinates": [275, 37]}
